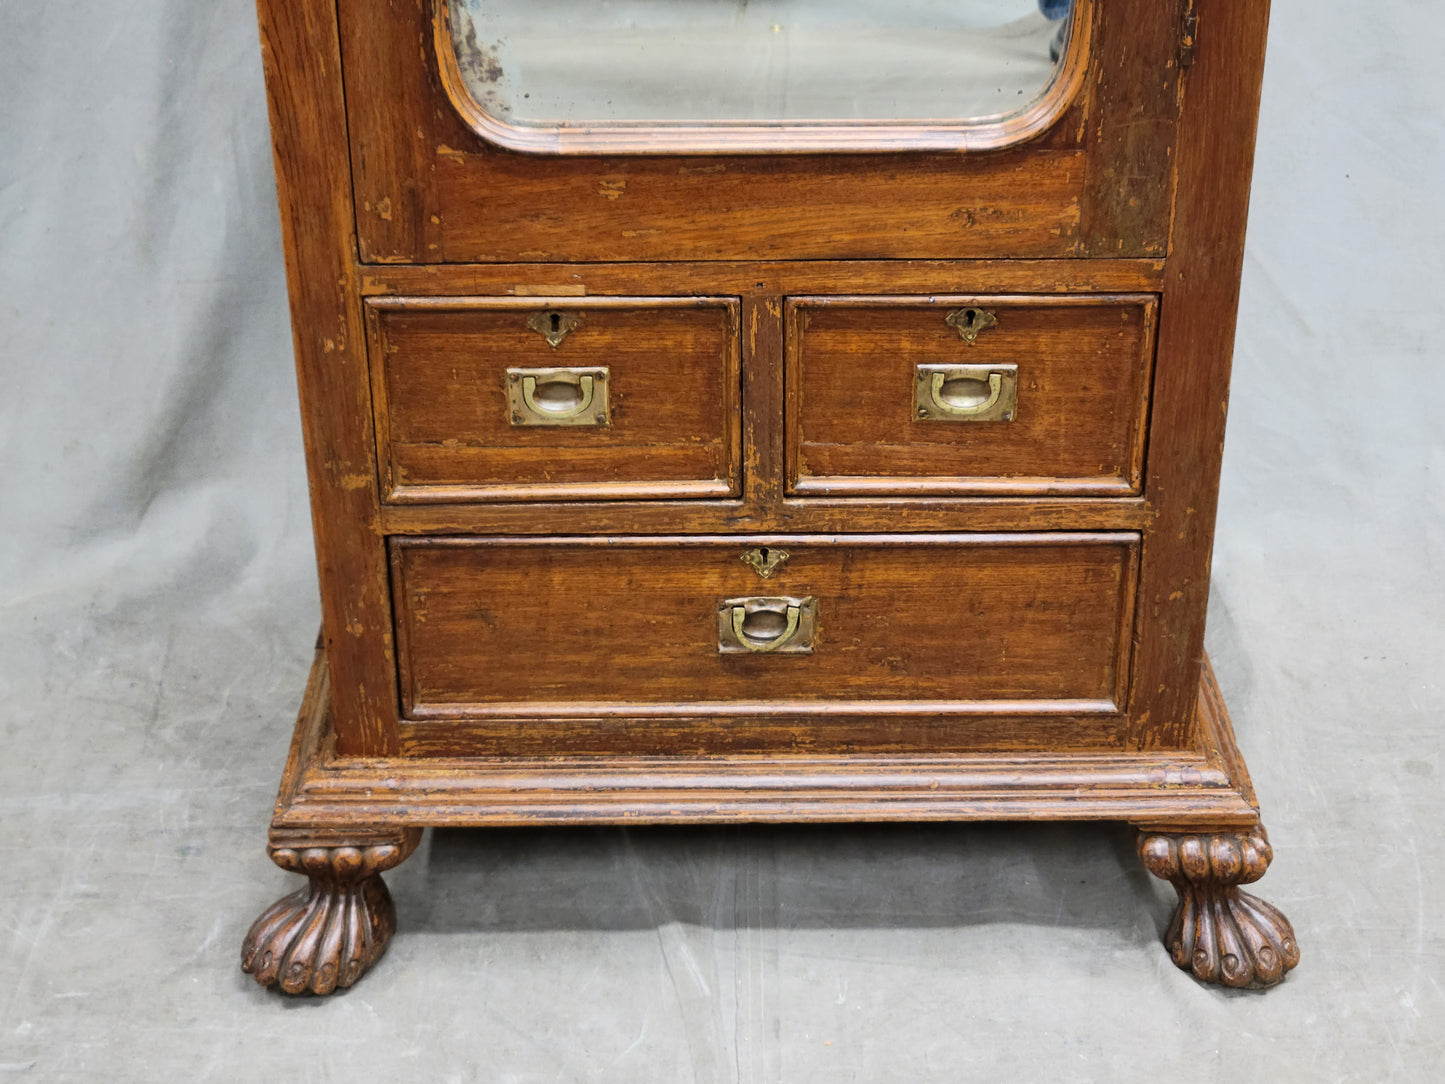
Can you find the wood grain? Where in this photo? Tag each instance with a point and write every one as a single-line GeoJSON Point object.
{"type": "Point", "coordinates": [804, 515]}
{"type": "Point", "coordinates": [1084, 365]}
{"type": "Point", "coordinates": [1189, 789]}
{"type": "Point", "coordinates": [308, 124]}
{"type": "Point", "coordinates": [627, 627]}
{"type": "Point", "coordinates": [731, 278]}
{"type": "Point", "coordinates": [1128, 188]}
{"type": "Point", "coordinates": [439, 369]}
{"type": "Point", "coordinates": [431, 190]}
{"type": "Point", "coordinates": [1196, 348]}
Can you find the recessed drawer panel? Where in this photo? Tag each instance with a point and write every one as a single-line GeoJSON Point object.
{"type": "Point", "coordinates": [485, 399]}
{"type": "Point", "coordinates": [968, 395]}
{"type": "Point", "coordinates": [926, 625]}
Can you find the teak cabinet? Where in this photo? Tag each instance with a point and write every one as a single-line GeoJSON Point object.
{"type": "Point", "coordinates": [762, 467]}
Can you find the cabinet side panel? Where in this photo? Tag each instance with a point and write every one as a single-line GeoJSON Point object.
{"type": "Point", "coordinates": [1196, 344]}
{"type": "Point", "coordinates": [1133, 136]}
{"type": "Point", "coordinates": [308, 122]}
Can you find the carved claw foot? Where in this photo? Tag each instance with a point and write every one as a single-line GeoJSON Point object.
{"type": "Point", "coordinates": [1220, 933]}
{"type": "Point", "coordinates": [329, 933]}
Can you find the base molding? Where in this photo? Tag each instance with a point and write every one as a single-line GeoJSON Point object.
{"type": "Point", "coordinates": [1203, 787]}
{"type": "Point", "coordinates": [342, 821]}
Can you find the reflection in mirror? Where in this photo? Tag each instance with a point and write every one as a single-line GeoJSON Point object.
{"type": "Point", "coordinates": [566, 63]}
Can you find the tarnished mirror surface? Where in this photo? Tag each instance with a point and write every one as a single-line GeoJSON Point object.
{"type": "Point", "coordinates": [591, 63]}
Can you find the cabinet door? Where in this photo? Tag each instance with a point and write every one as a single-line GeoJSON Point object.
{"type": "Point", "coordinates": [1084, 169]}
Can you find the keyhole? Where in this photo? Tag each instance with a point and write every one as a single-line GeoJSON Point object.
{"type": "Point", "coordinates": [557, 320]}
{"type": "Point", "coordinates": [969, 316]}
{"type": "Point", "coordinates": [763, 553]}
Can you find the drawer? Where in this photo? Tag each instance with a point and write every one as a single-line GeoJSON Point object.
{"type": "Point", "coordinates": [498, 399]}
{"type": "Point", "coordinates": [968, 395]}
{"type": "Point", "coordinates": [925, 625]}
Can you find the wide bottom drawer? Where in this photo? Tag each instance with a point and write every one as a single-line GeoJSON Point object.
{"type": "Point", "coordinates": [509, 630]}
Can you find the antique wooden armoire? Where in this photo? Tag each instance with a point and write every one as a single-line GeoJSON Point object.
{"type": "Point", "coordinates": [784, 410]}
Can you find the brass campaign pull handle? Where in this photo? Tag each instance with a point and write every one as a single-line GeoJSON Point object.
{"type": "Point", "coordinates": [561, 409]}
{"type": "Point", "coordinates": [575, 396]}
{"type": "Point", "coordinates": [965, 393]}
{"type": "Point", "coordinates": [765, 642]}
{"type": "Point", "coordinates": [765, 626]}
{"type": "Point", "coordinates": [970, 408]}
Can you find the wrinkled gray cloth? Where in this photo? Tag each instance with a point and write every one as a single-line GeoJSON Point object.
{"type": "Point", "coordinates": [157, 607]}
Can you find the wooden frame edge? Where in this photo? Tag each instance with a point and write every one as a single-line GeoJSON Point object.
{"type": "Point", "coordinates": [769, 278]}
{"type": "Point", "coordinates": [301, 53]}
{"type": "Point", "coordinates": [1218, 122]}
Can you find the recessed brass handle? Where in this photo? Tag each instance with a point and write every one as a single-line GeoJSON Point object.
{"type": "Point", "coordinates": [560, 407]}
{"type": "Point", "coordinates": [767, 626]}
{"type": "Point", "coordinates": [965, 393]}
{"type": "Point", "coordinates": [557, 396]}
{"type": "Point", "coordinates": [768, 639]}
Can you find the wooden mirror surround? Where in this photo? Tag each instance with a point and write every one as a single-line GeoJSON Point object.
{"type": "Point", "coordinates": [761, 461]}
{"type": "Point", "coordinates": [761, 76]}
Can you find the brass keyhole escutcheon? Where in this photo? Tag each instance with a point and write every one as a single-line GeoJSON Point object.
{"type": "Point", "coordinates": [970, 323]}
{"type": "Point", "coordinates": [554, 326]}
{"type": "Point", "coordinates": [765, 560]}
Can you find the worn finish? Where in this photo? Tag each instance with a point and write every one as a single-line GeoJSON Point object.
{"type": "Point", "coordinates": [770, 279]}
{"type": "Point", "coordinates": [430, 189]}
{"type": "Point", "coordinates": [1047, 779]}
{"type": "Point", "coordinates": [1080, 367]}
{"type": "Point", "coordinates": [1196, 348]}
{"type": "Point", "coordinates": [448, 433]}
{"type": "Point", "coordinates": [994, 611]}
{"type": "Point", "coordinates": [308, 127]}
{"type": "Point", "coordinates": [1218, 932]}
{"type": "Point", "coordinates": [325, 936]}
{"type": "Point", "coordinates": [1007, 625]}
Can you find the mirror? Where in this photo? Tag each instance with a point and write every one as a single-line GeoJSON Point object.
{"type": "Point", "coordinates": [602, 64]}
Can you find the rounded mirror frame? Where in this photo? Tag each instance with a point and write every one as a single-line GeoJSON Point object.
{"type": "Point", "coordinates": [776, 137]}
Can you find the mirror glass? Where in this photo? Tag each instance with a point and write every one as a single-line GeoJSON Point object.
{"type": "Point", "coordinates": [588, 63]}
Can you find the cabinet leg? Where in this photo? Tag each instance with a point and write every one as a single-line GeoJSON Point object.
{"type": "Point", "coordinates": [1219, 933]}
{"type": "Point", "coordinates": [330, 932]}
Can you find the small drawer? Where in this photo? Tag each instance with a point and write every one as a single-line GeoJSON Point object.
{"type": "Point", "coordinates": [968, 395]}
{"type": "Point", "coordinates": [925, 626]}
{"type": "Point", "coordinates": [499, 399]}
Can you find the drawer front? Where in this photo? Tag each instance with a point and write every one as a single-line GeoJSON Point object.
{"type": "Point", "coordinates": [487, 399]}
{"type": "Point", "coordinates": [928, 625]}
{"type": "Point", "coordinates": [969, 395]}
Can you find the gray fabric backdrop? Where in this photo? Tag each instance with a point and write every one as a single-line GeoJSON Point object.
{"type": "Point", "coordinates": [157, 607]}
